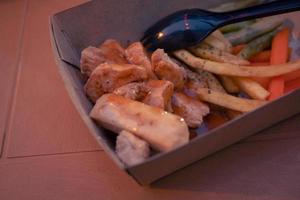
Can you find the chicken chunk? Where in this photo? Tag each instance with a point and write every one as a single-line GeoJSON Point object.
{"type": "Point", "coordinates": [166, 69]}
{"type": "Point", "coordinates": [190, 109]}
{"type": "Point", "coordinates": [160, 94]}
{"type": "Point", "coordinates": [130, 149]}
{"type": "Point", "coordinates": [134, 91]}
{"type": "Point", "coordinates": [113, 52]}
{"type": "Point", "coordinates": [91, 57]}
{"type": "Point", "coordinates": [107, 77]}
{"type": "Point", "coordinates": [137, 55]}
{"type": "Point", "coordinates": [162, 130]}
{"type": "Point", "coordinates": [108, 52]}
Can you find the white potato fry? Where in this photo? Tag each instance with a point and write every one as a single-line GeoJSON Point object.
{"type": "Point", "coordinates": [228, 101]}
{"type": "Point", "coordinates": [236, 70]}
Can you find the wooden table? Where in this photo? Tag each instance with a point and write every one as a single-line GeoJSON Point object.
{"type": "Point", "coordinates": [47, 152]}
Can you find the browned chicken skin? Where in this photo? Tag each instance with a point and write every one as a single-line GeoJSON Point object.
{"type": "Point", "coordinates": [162, 130]}
{"type": "Point", "coordinates": [134, 91]}
{"type": "Point", "coordinates": [113, 52]}
{"type": "Point", "coordinates": [107, 77]}
{"type": "Point", "coordinates": [155, 93]}
{"type": "Point", "coordinates": [191, 110]}
{"type": "Point", "coordinates": [160, 93]}
{"type": "Point", "coordinates": [137, 55]}
{"type": "Point", "coordinates": [166, 69]}
{"type": "Point", "coordinates": [108, 52]}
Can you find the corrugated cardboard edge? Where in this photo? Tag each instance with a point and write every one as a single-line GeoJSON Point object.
{"type": "Point", "coordinates": [69, 81]}
{"type": "Point", "coordinates": [166, 163]}
{"type": "Point", "coordinates": [210, 142]}
{"type": "Point", "coordinates": [219, 138]}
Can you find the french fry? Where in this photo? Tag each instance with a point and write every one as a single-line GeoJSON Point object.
{"type": "Point", "coordinates": [263, 81]}
{"type": "Point", "coordinates": [219, 35]}
{"type": "Point", "coordinates": [236, 70]}
{"type": "Point", "coordinates": [212, 82]}
{"type": "Point", "coordinates": [252, 88]}
{"type": "Point", "coordinates": [213, 41]}
{"type": "Point", "coordinates": [228, 101]}
{"type": "Point", "coordinates": [211, 53]}
{"type": "Point", "coordinates": [229, 85]}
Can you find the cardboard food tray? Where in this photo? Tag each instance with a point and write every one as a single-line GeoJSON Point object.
{"type": "Point", "coordinates": [90, 24]}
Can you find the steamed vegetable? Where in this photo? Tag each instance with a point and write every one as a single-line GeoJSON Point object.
{"type": "Point", "coordinates": [292, 76]}
{"type": "Point", "coordinates": [236, 26]}
{"type": "Point", "coordinates": [257, 29]}
{"type": "Point", "coordinates": [292, 85]}
{"type": "Point", "coordinates": [279, 55]}
{"type": "Point", "coordinates": [237, 49]}
{"type": "Point", "coordinates": [263, 56]}
{"type": "Point", "coordinates": [257, 45]}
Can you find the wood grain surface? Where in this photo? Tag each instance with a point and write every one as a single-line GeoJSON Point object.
{"type": "Point", "coordinates": [49, 154]}
{"type": "Point", "coordinates": [12, 24]}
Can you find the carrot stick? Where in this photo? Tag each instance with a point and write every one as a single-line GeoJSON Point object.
{"type": "Point", "coordinates": [279, 55]}
{"type": "Point", "coordinates": [260, 64]}
{"type": "Point", "coordinates": [292, 76]}
{"type": "Point", "coordinates": [263, 56]}
{"type": "Point", "coordinates": [292, 85]}
{"type": "Point", "coordinates": [236, 49]}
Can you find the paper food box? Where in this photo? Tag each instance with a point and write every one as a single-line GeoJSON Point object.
{"type": "Point", "coordinates": [91, 23]}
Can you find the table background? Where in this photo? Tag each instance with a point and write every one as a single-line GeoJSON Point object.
{"type": "Point", "coordinates": [46, 151]}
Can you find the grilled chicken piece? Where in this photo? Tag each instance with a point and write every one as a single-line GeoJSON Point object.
{"type": "Point", "coordinates": [113, 52]}
{"type": "Point", "coordinates": [108, 52]}
{"type": "Point", "coordinates": [162, 130]}
{"type": "Point", "coordinates": [134, 91]}
{"type": "Point", "coordinates": [166, 69]}
{"type": "Point", "coordinates": [91, 57]}
{"type": "Point", "coordinates": [136, 54]}
{"type": "Point", "coordinates": [190, 109]}
{"type": "Point", "coordinates": [107, 77]}
{"type": "Point", "coordinates": [160, 93]}
{"type": "Point", "coordinates": [130, 149]}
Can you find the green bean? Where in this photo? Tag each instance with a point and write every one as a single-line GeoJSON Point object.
{"type": "Point", "coordinates": [257, 45]}
{"type": "Point", "coordinates": [236, 26]}
{"type": "Point", "coordinates": [258, 28]}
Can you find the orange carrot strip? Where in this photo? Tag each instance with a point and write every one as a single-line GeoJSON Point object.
{"type": "Point", "coordinates": [279, 55]}
{"type": "Point", "coordinates": [236, 49]}
{"type": "Point", "coordinates": [263, 56]}
{"type": "Point", "coordinates": [259, 64]}
{"type": "Point", "coordinates": [292, 76]}
{"type": "Point", "coordinates": [276, 87]}
{"type": "Point", "coordinates": [292, 85]}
